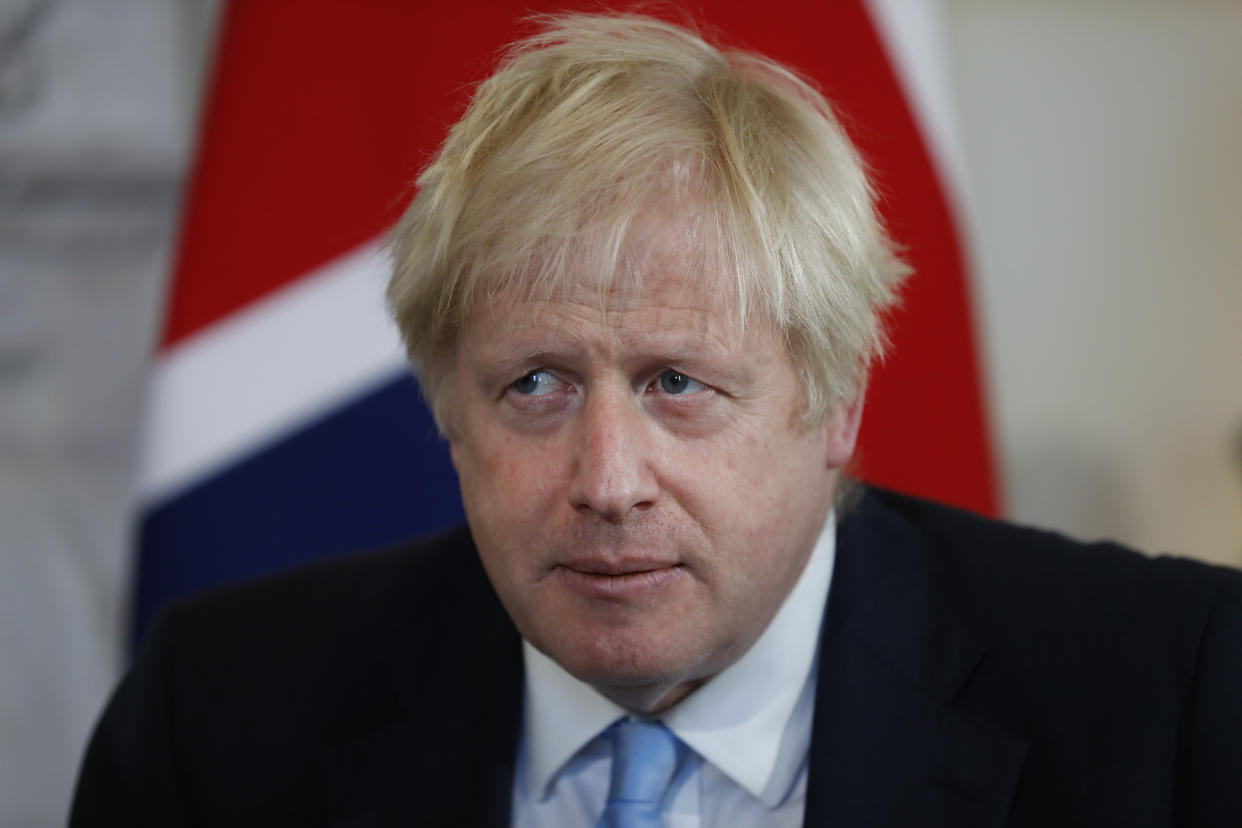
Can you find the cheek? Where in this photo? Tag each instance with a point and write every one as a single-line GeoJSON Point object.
{"type": "Point", "coordinates": [721, 484]}
{"type": "Point", "coordinates": [759, 487]}
{"type": "Point", "coordinates": [505, 480]}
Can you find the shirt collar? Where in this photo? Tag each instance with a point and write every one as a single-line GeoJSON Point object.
{"type": "Point", "coordinates": [562, 714]}
{"type": "Point", "coordinates": [749, 720]}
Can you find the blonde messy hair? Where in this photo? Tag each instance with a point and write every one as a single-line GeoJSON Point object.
{"type": "Point", "coordinates": [585, 124]}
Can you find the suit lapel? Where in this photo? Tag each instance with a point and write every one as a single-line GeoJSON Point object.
{"type": "Point", "coordinates": [888, 746]}
{"type": "Point", "coordinates": [442, 749]}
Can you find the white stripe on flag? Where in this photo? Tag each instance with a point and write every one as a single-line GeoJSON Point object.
{"type": "Point", "coordinates": [915, 40]}
{"type": "Point", "coordinates": [266, 369]}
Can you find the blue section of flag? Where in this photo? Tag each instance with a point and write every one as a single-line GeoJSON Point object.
{"type": "Point", "coordinates": [369, 475]}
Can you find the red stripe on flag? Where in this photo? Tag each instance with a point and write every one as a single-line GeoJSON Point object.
{"type": "Point", "coordinates": [322, 112]}
{"type": "Point", "coordinates": [926, 428]}
{"type": "Point", "coordinates": [319, 117]}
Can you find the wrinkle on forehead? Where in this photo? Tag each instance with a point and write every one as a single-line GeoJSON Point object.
{"type": "Point", "coordinates": [667, 260]}
{"type": "Point", "coordinates": [677, 331]}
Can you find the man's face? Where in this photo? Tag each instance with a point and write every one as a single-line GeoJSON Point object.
{"type": "Point", "coordinates": [640, 485]}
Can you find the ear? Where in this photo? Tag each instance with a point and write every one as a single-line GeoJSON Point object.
{"type": "Point", "coordinates": [843, 424]}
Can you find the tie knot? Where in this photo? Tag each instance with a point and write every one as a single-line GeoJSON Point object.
{"type": "Point", "coordinates": [644, 758]}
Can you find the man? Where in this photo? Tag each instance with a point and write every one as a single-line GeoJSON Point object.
{"type": "Point", "coordinates": [641, 284]}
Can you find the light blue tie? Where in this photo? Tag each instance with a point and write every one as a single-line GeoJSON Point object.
{"type": "Point", "coordinates": [644, 757]}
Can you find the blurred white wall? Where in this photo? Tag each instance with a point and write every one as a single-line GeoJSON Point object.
{"type": "Point", "coordinates": [1102, 143]}
{"type": "Point", "coordinates": [97, 103]}
{"type": "Point", "coordinates": [1103, 150]}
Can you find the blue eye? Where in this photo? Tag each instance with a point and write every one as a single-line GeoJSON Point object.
{"type": "Point", "coordinates": [535, 383]}
{"type": "Point", "coordinates": [675, 382]}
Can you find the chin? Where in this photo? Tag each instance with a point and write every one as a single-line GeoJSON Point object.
{"type": "Point", "coordinates": [632, 659]}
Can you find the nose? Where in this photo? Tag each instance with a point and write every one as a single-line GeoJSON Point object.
{"type": "Point", "coordinates": [613, 454]}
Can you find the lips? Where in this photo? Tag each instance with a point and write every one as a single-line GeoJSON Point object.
{"type": "Point", "coordinates": [620, 580]}
{"type": "Point", "coordinates": [626, 566]}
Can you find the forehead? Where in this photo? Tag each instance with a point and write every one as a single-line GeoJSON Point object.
{"type": "Point", "coordinates": [664, 270]}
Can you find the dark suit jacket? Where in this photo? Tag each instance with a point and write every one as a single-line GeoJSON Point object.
{"type": "Point", "coordinates": [971, 674]}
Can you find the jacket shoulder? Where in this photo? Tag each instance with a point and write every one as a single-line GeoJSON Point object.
{"type": "Point", "coordinates": [1099, 580]}
{"type": "Point", "coordinates": [417, 569]}
{"type": "Point", "coordinates": [322, 633]}
{"type": "Point", "coordinates": [1120, 672]}
{"type": "Point", "coordinates": [1070, 623]}
{"type": "Point", "coordinates": [236, 693]}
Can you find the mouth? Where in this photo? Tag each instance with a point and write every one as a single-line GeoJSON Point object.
{"type": "Point", "coordinates": [619, 580]}
{"type": "Point", "coordinates": [624, 566]}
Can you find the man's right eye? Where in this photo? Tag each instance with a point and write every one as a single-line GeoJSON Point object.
{"type": "Point", "coordinates": [535, 383]}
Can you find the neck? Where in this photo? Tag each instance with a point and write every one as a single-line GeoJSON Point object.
{"type": "Point", "coordinates": [650, 700]}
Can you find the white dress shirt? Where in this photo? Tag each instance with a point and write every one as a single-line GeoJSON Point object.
{"type": "Point", "coordinates": [748, 729]}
